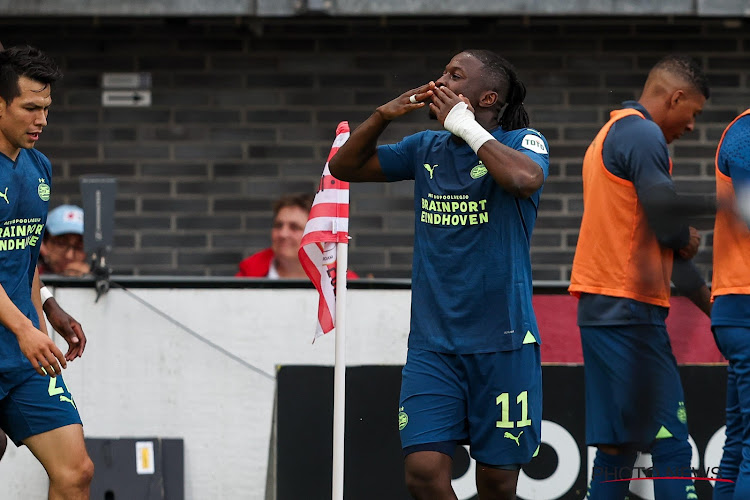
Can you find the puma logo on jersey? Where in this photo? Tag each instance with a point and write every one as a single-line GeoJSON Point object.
{"type": "Point", "coordinates": [5, 196]}
{"type": "Point", "coordinates": [68, 400]}
{"type": "Point", "coordinates": [430, 169]}
{"type": "Point", "coordinates": [514, 438]}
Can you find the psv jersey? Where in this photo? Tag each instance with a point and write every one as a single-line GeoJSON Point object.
{"type": "Point", "coordinates": [471, 274]}
{"type": "Point", "coordinates": [24, 197]}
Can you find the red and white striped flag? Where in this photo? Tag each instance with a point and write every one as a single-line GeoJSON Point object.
{"type": "Point", "coordinates": [327, 225]}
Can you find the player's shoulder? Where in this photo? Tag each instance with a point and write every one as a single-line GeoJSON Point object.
{"type": "Point", "coordinates": [635, 123]}
{"type": "Point", "coordinates": [736, 140]}
{"type": "Point", "coordinates": [37, 157]}
{"type": "Point", "coordinates": [527, 138]}
{"type": "Point", "coordinates": [741, 126]}
{"type": "Point", "coordinates": [635, 129]}
{"type": "Point", "coordinates": [519, 132]}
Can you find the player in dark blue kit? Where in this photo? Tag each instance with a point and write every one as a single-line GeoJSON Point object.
{"type": "Point", "coordinates": [633, 241]}
{"type": "Point", "coordinates": [730, 316]}
{"type": "Point", "coordinates": [473, 370]}
{"type": "Point", "coordinates": [36, 408]}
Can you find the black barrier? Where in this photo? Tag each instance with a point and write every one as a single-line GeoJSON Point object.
{"type": "Point", "coordinates": [147, 468]}
{"type": "Point", "coordinates": [372, 451]}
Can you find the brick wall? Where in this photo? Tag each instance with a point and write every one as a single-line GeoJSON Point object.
{"type": "Point", "coordinates": [245, 109]}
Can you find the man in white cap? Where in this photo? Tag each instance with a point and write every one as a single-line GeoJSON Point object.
{"type": "Point", "coordinates": [62, 247]}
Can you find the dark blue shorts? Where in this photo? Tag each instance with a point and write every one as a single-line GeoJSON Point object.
{"type": "Point", "coordinates": [491, 401]}
{"type": "Point", "coordinates": [31, 404]}
{"type": "Point", "coordinates": [633, 388]}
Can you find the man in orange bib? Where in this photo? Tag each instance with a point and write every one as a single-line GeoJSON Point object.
{"type": "Point", "coordinates": [730, 317]}
{"type": "Point", "coordinates": [632, 243]}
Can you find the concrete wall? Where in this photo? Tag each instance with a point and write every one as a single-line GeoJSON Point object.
{"type": "Point", "coordinates": [198, 362]}
{"type": "Point", "coordinates": [245, 109]}
{"type": "Point", "coordinates": [143, 375]}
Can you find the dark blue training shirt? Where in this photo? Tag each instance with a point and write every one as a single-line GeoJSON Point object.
{"type": "Point", "coordinates": [635, 150]}
{"type": "Point", "coordinates": [24, 196]}
{"type": "Point", "coordinates": [471, 274]}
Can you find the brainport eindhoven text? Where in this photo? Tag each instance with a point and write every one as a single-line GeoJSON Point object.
{"type": "Point", "coordinates": [453, 210]}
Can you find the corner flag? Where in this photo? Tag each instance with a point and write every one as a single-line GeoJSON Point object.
{"type": "Point", "coordinates": [327, 225]}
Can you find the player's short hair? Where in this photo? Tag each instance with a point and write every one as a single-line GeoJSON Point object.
{"type": "Point", "coordinates": [301, 200]}
{"type": "Point", "coordinates": [686, 68]}
{"type": "Point", "coordinates": [27, 61]}
{"type": "Point", "coordinates": [503, 79]}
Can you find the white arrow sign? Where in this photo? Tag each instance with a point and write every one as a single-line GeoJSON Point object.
{"type": "Point", "coordinates": [127, 98]}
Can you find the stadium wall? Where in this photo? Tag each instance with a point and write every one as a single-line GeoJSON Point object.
{"type": "Point", "coordinates": [245, 109]}
{"type": "Point", "coordinates": [200, 364]}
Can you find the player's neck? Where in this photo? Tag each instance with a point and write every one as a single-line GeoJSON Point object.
{"type": "Point", "coordinates": [487, 120]}
{"type": "Point", "coordinates": [8, 149]}
{"type": "Point", "coordinates": [654, 107]}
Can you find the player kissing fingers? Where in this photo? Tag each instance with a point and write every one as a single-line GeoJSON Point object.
{"type": "Point", "coordinates": [405, 102]}
{"type": "Point", "coordinates": [416, 97]}
{"type": "Point", "coordinates": [445, 97]}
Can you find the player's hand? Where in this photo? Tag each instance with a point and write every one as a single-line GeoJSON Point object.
{"type": "Point", "coordinates": [68, 328]}
{"type": "Point", "coordinates": [443, 100]}
{"type": "Point", "coordinates": [41, 352]}
{"type": "Point", "coordinates": [689, 251]}
{"type": "Point", "coordinates": [402, 104]}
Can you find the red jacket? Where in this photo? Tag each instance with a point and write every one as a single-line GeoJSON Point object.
{"type": "Point", "coordinates": [258, 264]}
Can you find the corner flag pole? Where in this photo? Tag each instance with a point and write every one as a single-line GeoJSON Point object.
{"type": "Point", "coordinates": [339, 373]}
{"type": "Point", "coordinates": [325, 244]}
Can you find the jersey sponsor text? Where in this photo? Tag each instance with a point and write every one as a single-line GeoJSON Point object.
{"type": "Point", "coordinates": [454, 213]}
{"type": "Point", "coordinates": [19, 233]}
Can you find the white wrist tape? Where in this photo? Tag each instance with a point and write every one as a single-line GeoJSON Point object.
{"type": "Point", "coordinates": [46, 294]}
{"type": "Point", "coordinates": [461, 121]}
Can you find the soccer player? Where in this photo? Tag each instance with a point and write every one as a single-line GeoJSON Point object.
{"type": "Point", "coordinates": [730, 316]}
{"type": "Point", "coordinates": [67, 327]}
{"type": "Point", "coordinates": [36, 408]}
{"type": "Point", "coordinates": [633, 240]}
{"type": "Point", "coordinates": [473, 371]}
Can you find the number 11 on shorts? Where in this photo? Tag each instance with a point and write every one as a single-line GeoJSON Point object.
{"type": "Point", "coordinates": [503, 400]}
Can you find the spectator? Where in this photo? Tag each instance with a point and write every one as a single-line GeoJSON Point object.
{"type": "Point", "coordinates": [62, 247]}
{"type": "Point", "coordinates": [281, 261]}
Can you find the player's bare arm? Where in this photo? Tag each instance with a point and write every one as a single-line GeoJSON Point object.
{"type": "Point", "coordinates": [357, 159]}
{"type": "Point", "coordinates": [702, 299]}
{"type": "Point", "coordinates": [36, 299]}
{"type": "Point", "coordinates": [514, 171]}
{"type": "Point", "coordinates": [68, 328]}
{"type": "Point", "coordinates": [688, 281]}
